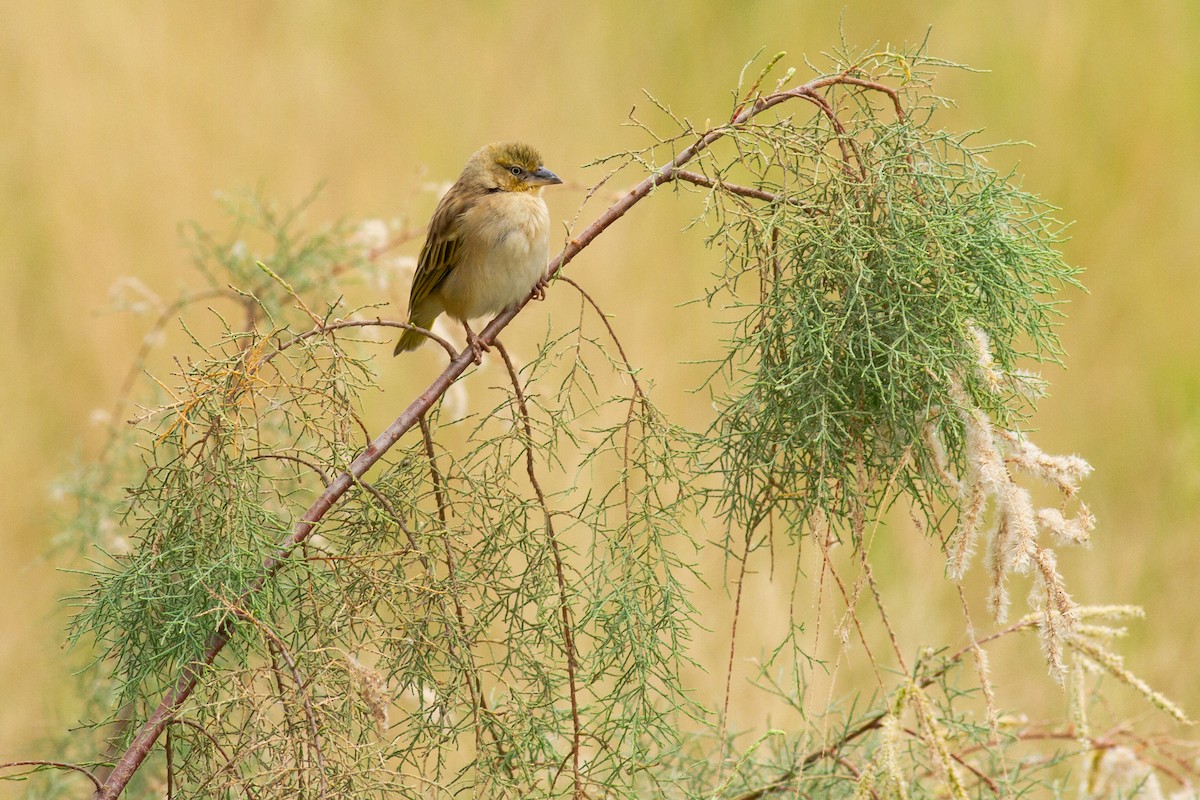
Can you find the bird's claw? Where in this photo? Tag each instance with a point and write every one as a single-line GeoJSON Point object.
{"type": "Point", "coordinates": [478, 348]}
{"type": "Point", "coordinates": [539, 289]}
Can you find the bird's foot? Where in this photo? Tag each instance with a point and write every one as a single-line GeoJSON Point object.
{"type": "Point", "coordinates": [478, 348]}
{"type": "Point", "coordinates": [539, 288]}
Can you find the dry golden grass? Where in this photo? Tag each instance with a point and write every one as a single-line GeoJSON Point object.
{"type": "Point", "coordinates": [120, 121]}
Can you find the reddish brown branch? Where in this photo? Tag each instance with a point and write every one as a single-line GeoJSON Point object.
{"type": "Point", "coordinates": [733, 626]}
{"type": "Point", "coordinates": [876, 87]}
{"type": "Point", "coordinates": [471, 678]}
{"type": "Point", "coordinates": [732, 188]}
{"type": "Point", "coordinates": [845, 143]}
{"type": "Point", "coordinates": [982, 776]}
{"type": "Point", "coordinates": [612, 334]}
{"type": "Point", "coordinates": [168, 749]}
{"type": "Point", "coordinates": [845, 763]}
{"type": "Point", "coordinates": [637, 394]}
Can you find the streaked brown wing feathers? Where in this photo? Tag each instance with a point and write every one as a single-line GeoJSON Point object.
{"type": "Point", "coordinates": [440, 253]}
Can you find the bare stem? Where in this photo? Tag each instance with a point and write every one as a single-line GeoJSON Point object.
{"type": "Point", "coordinates": [220, 751]}
{"type": "Point", "coordinates": [560, 573]}
{"type": "Point", "coordinates": [56, 765]}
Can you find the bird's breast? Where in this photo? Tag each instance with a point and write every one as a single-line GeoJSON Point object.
{"type": "Point", "coordinates": [505, 246]}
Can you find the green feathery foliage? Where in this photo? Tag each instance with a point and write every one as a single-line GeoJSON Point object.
{"type": "Point", "coordinates": [887, 242]}
{"type": "Point", "coordinates": [441, 586]}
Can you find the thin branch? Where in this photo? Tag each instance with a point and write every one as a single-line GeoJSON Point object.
{"type": "Point", "coordinates": [326, 327]}
{"type": "Point", "coordinates": [57, 765]}
{"type": "Point", "coordinates": [169, 752]}
{"type": "Point", "coordinates": [216, 746]}
{"type": "Point", "coordinates": [471, 678]}
{"type": "Point", "coordinates": [733, 626]}
{"type": "Point", "coordinates": [472, 681]}
{"type": "Point", "coordinates": [732, 188]}
{"type": "Point", "coordinates": [851, 602]}
{"type": "Point", "coordinates": [284, 457]}
{"type": "Point", "coordinates": [887, 624]}
{"type": "Point", "coordinates": [637, 395]}
{"type": "Point", "coordinates": [393, 513]}
{"type": "Point", "coordinates": [560, 573]}
{"type": "Point", "coordinates": [855, 772]}
{"type": "Point", "coordinates": [301, 685]}
{"type": "Point", "coordinates": [845, 143]}
{"type": "Point", "coordinates": [960, 760]}
{"type": "Point", "coordinates": [876, 719]}
{"type": "Point", "coordinates": [148, 342]}
{"type": "Point", "coordinates": [612, 334]}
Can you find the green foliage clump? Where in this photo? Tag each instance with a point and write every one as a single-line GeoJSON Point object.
{"type": "Point", "coordinates": [501, 609]}
{"type": "Point", "coordinates": [887, 245]}
{"type": "Point", "coordinates": [225, 458]}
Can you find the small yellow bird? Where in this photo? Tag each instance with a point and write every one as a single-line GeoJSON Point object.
{"type": "Point", "coordinates": [488, 242]}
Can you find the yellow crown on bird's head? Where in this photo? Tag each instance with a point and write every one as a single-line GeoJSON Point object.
{"type": "Point", "coordinates": [512, 167]}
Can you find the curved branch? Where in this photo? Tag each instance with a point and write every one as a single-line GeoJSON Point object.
{"type": "Point", "coordinates": [143, 742]}
{"type": "Point", "coordinates": [285, 457]}
{"type": "Point", "coordinates": [875, 720]}
{"type": "Point", "coordinates": [55, 765]}
{"type": "Point", "coordinates": [323, 328]}
{"type": "Point", "coordinates": [216, 746]}
{"type": "Point", "coordinates": [564, 606]}
{"type": "Point", "coordinates": [732, 188]}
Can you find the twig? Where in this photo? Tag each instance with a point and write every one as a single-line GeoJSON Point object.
{"type": "Point", "coordinates": [393, 513]}
{"type": "Point", "coordinates": [472, 680]}
{"type": "Point", "coordinates": [845, 143]}
{"type": "Point", "coordinates": [560, 573]}
{"type": "Point", "coordinates": [959, 759]}
{"type": "Point", "coordinates": [216, 746]}
{"type": "Point", "coordinates": [855, 772]}
{"type": "Point", "coordinates": [451, 571]}
{"type": "Point", "coordinates": [732, 188]}
{"type": "Point", "coordinates": [876, 719]}
{"type": "Point", "coordinates": [733, 626]}
{"type": "Point", "coordinates": [169, 752]}
{"type": "Point", "coordinates": [612, 334]}
{"type": "Point", "coordinates": [301, 685]}
{"type": "Point", "coordinates": [57, 765]}
{"type": "Point", "coordinates": [287, 287]}
{"type": "Point", "coordinates": [284, 457]}
{"type": "Point", "coordinates": [148, 341]}
{"type": "Point", "coordinates": [637, 395]}
{"type": "Point", "coordinates": [326, 327]}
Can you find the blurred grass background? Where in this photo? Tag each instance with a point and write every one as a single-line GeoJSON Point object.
{"type": "Point", "coordinates": [119, 121]}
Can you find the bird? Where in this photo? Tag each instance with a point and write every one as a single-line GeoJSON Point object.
{"type": "Point", "coordinates": [487, 244]}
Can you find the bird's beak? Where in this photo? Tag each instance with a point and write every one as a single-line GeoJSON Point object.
{"type": "Point", "coordinates": [543, 177]}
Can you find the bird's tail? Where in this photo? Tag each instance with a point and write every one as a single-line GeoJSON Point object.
{"type": "Point", "coordinates": [411, 340]}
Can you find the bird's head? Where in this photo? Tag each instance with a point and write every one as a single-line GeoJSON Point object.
{"type": "Point", "coordinates": [509, 167]}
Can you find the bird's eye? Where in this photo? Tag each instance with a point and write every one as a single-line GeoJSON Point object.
{"type": "Point", "coordinates": [515, 170]}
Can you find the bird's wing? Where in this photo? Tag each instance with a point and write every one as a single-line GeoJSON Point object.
{"type": "Point", "coordinates": [440, 253]}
